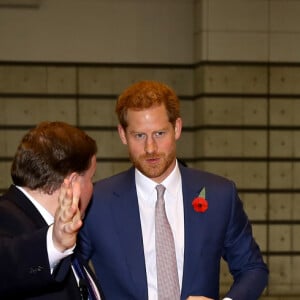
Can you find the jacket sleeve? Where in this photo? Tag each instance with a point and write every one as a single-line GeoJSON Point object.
{"type": "Point", "coordinates": [243, 255]}
{"type": "Point", "coordinates": [24, 263]}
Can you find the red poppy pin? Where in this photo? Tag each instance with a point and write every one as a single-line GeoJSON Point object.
{"type": "Point", "coordinates": [199, 203]}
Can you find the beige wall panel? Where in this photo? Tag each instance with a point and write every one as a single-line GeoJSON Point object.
{"type": "Point", "coordinates": [285, 112]}
{"type": "Point", "coordinates": [281, 175]}
{"type": "Point", "coordinates": [244, 174]}
{"type": "Point", "coordinates": [186, 145]}
{"type": "Point", "coordinates": [285, 79]}
{"type": "Point", "coordinates": [61, 80]}
{"type": "Point", "coordinates": [109, 144]}
{"type": "Point", "coordinates": [5, 179]}
{"type": "Point", "coordinates": [255, 205]}
{"type": "Point", "coordinates": [113, 80]}
{"type": "Point", "coordinates": [201, 15]}
{"type": "Point", "coordinates": [296, 240]}
{"type": "Point", "coordinates": [296, 175]}
{"type": "Point", "coordinates": [280, 238]}
{"type": "Point", "coordinates": [284, 47]}
{"type": "Point", "coordinates": [281, 143]}
{"type": "Point", "coordinates": [281, 273]}
{"type": "Point", "coordinates": [231, 79]}
{"type": "Point", "coordinates": [233, 15]}
{"type": "Point", "coordinates": [255, 143]}
{"type": "Point", "coordinates": [288, 8]}
{"type": "Point", "coordinates": [200, 46]}
{"type": "Point", "coordinates": [199, 74]}
{"type": "Point", "coordinates": [188, 113]}
{"type": "Point", "coordinates": [260, 233]}
{"type": "Point", "coordinates": [103, 170]}
{"type": "Point", "coordinates": [296, 274]}
{"type": "Point", "coordinates": [225, 278]}
{"type": "Point", "coordinates": [181, 80]}
{"type": "Point", "coordinates": [108, 80]}
{"type": "Point", "coordinates": [200, 141]}
{"type": "Point", "coordinates": [238, 46]}
{"type": "Point", "coordinates": [296, 143]}
{"type": "Point", "coordinates": [224, 287]}
{"type": "Point", "coordinates": [281, 208]}
{"type": "Point", "coordinates": [296, 206]}
{"type": "Point", "coordinates": [253, 175]}
{"type": "Point", "coordinates": [225, 275]}
{"type": "Point", "coordinates": [97, 112]}
{"type": "Point", "coordinates": [198, 165]}
{"type": "Point", "coordinates": [296, 108]}
{"type": "Point", "coordinates": [23, 79]}
{"type": "Point", "coordinates": [30, 111]}
{"type": "Point", "coordinates": [255, 111]}
{"type": "Point", "coordinates": [99, 31]}
{"type": "Point", "coordinates": [222, 143]}
{"type": "Point", "coordinates": [231, 111]}
{"type": "Point", "coordinates": [237, 30]}
{"type": "Point", "coordinates": [107, 169]}
{"type": "Point", "coordinates": [216, 111]}
{"type": "Point", "coordinates": [284, 275]}
{"type": "Point", "coordinates": [58, 110]}
{"type": "Point", "coordinates": [231, 143]}
{"type": "Point", "coordinates": [9, 141]}
{"type": "Point", "coordinates": [37, 79]}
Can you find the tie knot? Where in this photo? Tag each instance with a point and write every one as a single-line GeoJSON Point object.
{"type": "Point", "coordinates": [160, 191]}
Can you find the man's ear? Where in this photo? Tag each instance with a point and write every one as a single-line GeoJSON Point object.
{"type": "Point", "coordinates": [73, 177]}
{"type": "Point", "coordinates": [178, 128]}
{"type": "Point", "coordinates": [122, 134]}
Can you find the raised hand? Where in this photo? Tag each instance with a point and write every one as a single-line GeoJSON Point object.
{"type": "Point", "coordinates": [67, 220]}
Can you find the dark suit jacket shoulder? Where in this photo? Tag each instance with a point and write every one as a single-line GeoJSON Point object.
{"type": "Point", "coordinates": [25, 271]}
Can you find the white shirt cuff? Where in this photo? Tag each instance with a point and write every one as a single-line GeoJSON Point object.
{"type": "Point", "coordinates": [54, 255]}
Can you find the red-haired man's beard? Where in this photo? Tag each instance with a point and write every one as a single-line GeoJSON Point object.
{"type": "Point", "coordinates": [155, 165]}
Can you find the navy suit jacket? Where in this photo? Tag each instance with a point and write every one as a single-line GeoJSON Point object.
{"type": "Point", "coordinates": [112, 238]}
{"type": "Point", "coordinates": [25, 271]}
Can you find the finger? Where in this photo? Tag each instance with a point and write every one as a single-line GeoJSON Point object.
{"type": "Point", "coordinates": [62, 193]}
{"type": "Point", "coordinates": [71, 213]}
{"type": "Point", "coordinates": [65, 195]}
{"type": "Point", "coordinates": [68, 210]}
{"type": "Point", "coordinates": [73, 227]}
{"type": "Point", "coordinates": [67, 214]}
{"type": "Point", "coordinates": [75, 194]}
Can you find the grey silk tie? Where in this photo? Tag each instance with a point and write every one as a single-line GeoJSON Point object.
{"type": "Point", "coordinates": [167, 273]}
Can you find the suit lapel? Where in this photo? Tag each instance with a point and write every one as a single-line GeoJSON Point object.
{"type": "Point", "coordinates": [194, 230]}
{"type": "Point", "coordinates": [126, 216]}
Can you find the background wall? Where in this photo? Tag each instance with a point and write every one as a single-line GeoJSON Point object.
{"type": "Point", "coordinates": [157, 31]}
{"type": "Point", "coordinates": [234, 64]}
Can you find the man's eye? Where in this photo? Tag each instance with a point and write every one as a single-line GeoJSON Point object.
{"type": "Point", "coordinates": [139, 136]}
{"type": "Point", "coordinates": [160, 133]}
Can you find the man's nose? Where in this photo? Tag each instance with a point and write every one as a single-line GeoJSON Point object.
{"type": "Point", "coordinates": [150, 145]}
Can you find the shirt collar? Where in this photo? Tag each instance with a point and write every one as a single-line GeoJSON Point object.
{"type": "Point", "coordinates": [42, 210]}
{"type": "Point", "coordinates": [146, 186]}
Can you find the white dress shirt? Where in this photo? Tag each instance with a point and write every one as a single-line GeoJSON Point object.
{"type": "Point", "coordinates": [147, 197]}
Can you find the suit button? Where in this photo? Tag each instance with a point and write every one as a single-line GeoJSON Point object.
{"type": "Point", "coordinates": [35, 270]}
